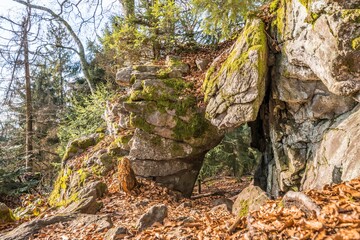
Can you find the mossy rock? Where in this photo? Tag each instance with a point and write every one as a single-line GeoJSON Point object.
{"type": "Point", "coordinates": [6, 215]}
{"type": "Point", "coordinates": [235, 90]}
{"type": "Point", "coordinates": [250, 199]}
{"type": "Point", "coordinates": [81, 144]}
{"type": "Point", "coordinates": [60, 186]}
{"type": "Point", "coordinates": [351, 15]}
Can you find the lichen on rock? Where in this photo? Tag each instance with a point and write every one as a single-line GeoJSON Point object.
{"type": "Point", "coordinates": [235, 91]}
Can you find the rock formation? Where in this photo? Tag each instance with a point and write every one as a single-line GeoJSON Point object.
{"type": "Point", "coordinates": [168, 135]}
{"type": "Point", "coordinates": [156, 124]}
{"type": "Point", "coordinates": [295, 79]}
{"type": "Point", "coordinates": [308, 122]}
{"type": "Point", "coordinates": [235, 89]}
{"type": "Point", "coordinates": [316, 82]}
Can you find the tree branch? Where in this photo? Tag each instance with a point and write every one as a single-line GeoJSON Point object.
{"type": "Point", "coordinates": [81, 51]}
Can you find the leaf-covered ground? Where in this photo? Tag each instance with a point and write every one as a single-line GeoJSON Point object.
{"type": "Point", "coordinates": [187, 218]}
{"type": "Point", "coordinates": [339, 216]}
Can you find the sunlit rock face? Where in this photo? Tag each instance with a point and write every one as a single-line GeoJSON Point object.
{"type": "Point", "coordinates": [235, 89]}
{"type": "Point", "coordinates": [315, 87]}
{"type": "Point", "coordinates": [309, 115]}
{"type": "Point", "coordinates": [168, 135]}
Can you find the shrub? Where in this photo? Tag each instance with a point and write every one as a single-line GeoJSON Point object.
{"type": "Point", "coordinates": [83, 116]}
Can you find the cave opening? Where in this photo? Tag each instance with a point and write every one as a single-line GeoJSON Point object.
{"type": "Point", "coordinates": [238, 155]}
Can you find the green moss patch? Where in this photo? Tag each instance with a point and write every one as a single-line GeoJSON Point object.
{"type": "Point", "coordinates": [256, 40]}
{"type": "Point", "coordinates": [60, 186]}
{"type": "Point", "coordinates": [195, 128]}
{"type": "Point", "coordinates": [351, 15]}
{"type": "Point", "coordinates": [244, 210]}
{"type": "Point", "coordinates": [355, 43]}
{"type": "Point", "coordinates": [274, 5]}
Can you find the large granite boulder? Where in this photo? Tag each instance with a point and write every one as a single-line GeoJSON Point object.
{"type": "Point", "coordinates": [235, 89]}
{"type": "Point", "coordinates": [315, 85]}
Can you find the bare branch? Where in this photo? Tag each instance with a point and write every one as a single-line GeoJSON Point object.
{"type": "Point", "coordinates": [81, 49]}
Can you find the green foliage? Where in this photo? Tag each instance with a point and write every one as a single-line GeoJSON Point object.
{"type": "Point", "coordinates": [143, 35]}
{"type": "Point", "coordinates": [14, 183]}
{"type": "Point", "coordinates": [233, 154]}
{"type": "Point", "coordinates": [222, 18]}
{"type": "Point", "coordinates": [83, 116]}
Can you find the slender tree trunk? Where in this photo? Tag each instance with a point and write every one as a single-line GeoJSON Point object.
{"type": "Point", "coordinates": [29, 111]}
{"type": "Point", "coordinates": [61, 80]}
{"type": "Point", "coordinates": [155, 38]}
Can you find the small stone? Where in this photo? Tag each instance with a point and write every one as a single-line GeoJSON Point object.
{"type": "Point", "coordinates": [223, 201]}
{"type": "Point", "coordinates": [185, 219]}
{"type": "Point", "coordinates": [155, 214]}
{"type": "Point", "coordinates": [184, 205]}
{"type": "Point", "coordinates": [5, 214]}
{"type": "Point", "coordinates": [250, 199]}
{"type": "Point", "coordinates": [202, 63]}
{"type": "Point", "coordinates": [221, 208]}
{"type": "Point", "coordinates": [116, 233]}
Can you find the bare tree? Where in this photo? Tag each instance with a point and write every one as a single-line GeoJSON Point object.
{"type": "Point", "coordinates": [80, 51]}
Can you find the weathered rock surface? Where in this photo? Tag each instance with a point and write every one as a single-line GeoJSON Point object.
{"type": "Point", "coordinates": [321, 36]}
{"type": "Point", "coordinates": [315, 84]}
{"type": "Point", "coordinates": [84, 205]}
{"type": "Point", "coordinates": [79, 145]}
{"type": "Point", "coordinates": [235, 89]}
{"type": "Point", "coordinates": [336, 159]}
{"type": "Point", "coordinates": [155, 214]}
{"type": "Point", "coordinates": [116, 233]}
{"type": "Point", "coordinates": [169, 133]}
{"type": "Point", "coordinates": [74, 188]}
{"type": "Point", "coordinates": [25, 230]}
{"type": "Point", "coordinates": [250, 199]}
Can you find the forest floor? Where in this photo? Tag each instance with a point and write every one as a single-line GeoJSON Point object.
{"type": "Point", "coordinates": [188, 218]}
{"type": "Point", "coordinates": [196, 218]}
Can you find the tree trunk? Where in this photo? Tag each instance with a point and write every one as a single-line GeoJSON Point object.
{"type": "Point", "coordinates": [29, 114]}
